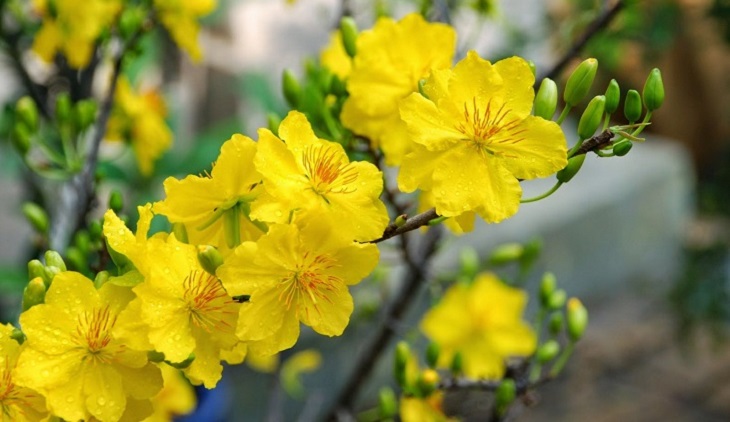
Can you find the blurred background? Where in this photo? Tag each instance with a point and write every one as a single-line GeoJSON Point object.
{"type": "Point", "coordinates": [644, 240]}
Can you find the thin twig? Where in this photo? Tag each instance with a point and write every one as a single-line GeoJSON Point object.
{"type": "Point", "coordinates": [412, 223]}
{"type": "Point", "coordinates": [596, 26]}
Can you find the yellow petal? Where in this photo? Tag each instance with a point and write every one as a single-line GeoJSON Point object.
{"type": "Point", "coordinates": [537, 149]}
{"type": "Point", "coordinates": [427, 125]}
{"type": "Point", "coordinates": [327, 311]}
{"type": "Point", "coordinates": [518, 82]}
{"type": "Point", "coordinates": [105, 397]}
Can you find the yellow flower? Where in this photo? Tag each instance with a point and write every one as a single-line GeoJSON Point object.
{"type": "Point", "coordinates": [295, 275]}
{"type": "Point", "coordinates": [460, 224]}
{"type": "Point", "coordinates": [185, 310]}
{"type": "Point", "coordinates": [73, 27]}
{"type": "Point", "coordinates": [391, 59]}
{"type": "Point", "coordinates": [176, 398]}
{"type": "Point", "coordinates": [483, 322]}
{"type": "Point", "coordinates": [139, 119]}
{"type": "Point", "coordinates": [215, 208]}
{"type": "Point", "coordinates": [335, 58]}
{"type": "Point", "coordinates": [424, 409]}
{"type": "Point", "coordinates": [476, 137]}
{"type": "Point", "coordinates": [313, 179]}
{"type": "Point", "coordinates": [73, 356]}
{"type": "Point", "coordinates": [17, 403]}
{"type": "Point", "coordinates": [180, 18]}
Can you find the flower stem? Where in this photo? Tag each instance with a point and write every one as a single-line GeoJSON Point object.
{"type": "Point", "coordinates": [544, 195]}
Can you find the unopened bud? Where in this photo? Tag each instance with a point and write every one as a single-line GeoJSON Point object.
{"type": "Point", "coordinates": [613, 96]}
{"type": "Point", "coordinates": [546, 100]}
{"type": "Point", "coordinates": [547, 352]}
{"type": "Point", "coordinates": [622, 148]}
{"type": "Point", "coordinates": [432, 355]}
{"type": "Point", "coordinates": [400, 220]}
{"type": "Point", "coordinates": [557, 299]}
{"type": "Point", "coordinates": [505, 395]}
{"type": "Point", "coordinates": [427, 382]}
{"type": "Point", "coordinates": [272, 122]}
{"type": "Point", "coordinates": [82, 240]}
{"type": "Point", "coordinates": [291, 88]}
{"type": "Point", "coordinates": [184, 364]}
{"type": "Point", "coordinates": [469, 259]}
{"type": "Point", "coordinates": [37, 269]}
{"type": "Point", "coordinates": [653, 92]}
{"type": "Point", "coordinates": [34, 293]}
{"type": "Point", "coordinates": [54, 259]}
{"type": "Point", "coordinates": [555, 324]}
{"type": "Point", "coordinates": [50, 273]}
{"type": "Point", "coordinates": [18, 335]}
{"type": "Point", "coordinates": [402, 354]}
{"type": "Point", "coordinates": [63, 107]}
{"type": "Point", "coordinates": [577, 319]}
{"type": "Point", "coordinates": [580, 81]}
{"type": "Point", "coordinates": [180, 232]}
{"type": "Point", "coordinates": [349, 31]}
{"type": "Point", "coordinates": [36, 216]}
{"type": "Point", "coordinates": [573, 167]}
{"type": "Point", "coordinates": [131, 21]}
{"type": "Point", "coordinates": [547, 287]}
{"type": "Point", "coordinates": [592, 117]}
{"type": "Point", "coordinates": [506, 253]}
{"type": "Point", "coordinates": [116, 202]}
{"type": "Point", "coordinates": [95, 229]}
{"type": "Point", "coordinates": [27, 112]}
{"type": "Point", "coordinates": [85, 114]}
{"type": "Point", "coordinates": [155, 356]}
{"type": "Point", "coordinates": [210, 259]}
{"type": "Point", "coordinates": [632, 106]}
{"type": "Point", "coordinates": [457, 364]}
{"type": "Point", "coordinates": [101, 278]}
{"type": "Point", "coordinates": [532, 66]}
{"type": "Point", "coordinates": [387, 403]}
{"type": "Point", "coordinates": [20, 138]}
{"type": "Point", "coordinates": [76, 258]}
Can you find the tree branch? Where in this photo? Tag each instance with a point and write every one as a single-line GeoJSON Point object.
{"type": "Point", "coordinates": [412, 223]}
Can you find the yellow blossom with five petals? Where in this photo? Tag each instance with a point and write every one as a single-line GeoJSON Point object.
{"type": "Point", "coordinates": [482, 321]}
{"type": "Point", "coordinates": [313, 179]}
{"type": "Point", "coordinates": [295, 275]}
{"type": "Point", "coordinates": [74, 356]}
{"type": "Point", "coordinates": [17, 403]}
{"type": "Point", "coordinates": [475, 138]}
{"type": "Point", "coordinates": [215, 208]}
{"type": "Point", "coordinates": [391, 59]}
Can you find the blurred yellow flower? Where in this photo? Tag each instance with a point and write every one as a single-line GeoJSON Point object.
{"type": "Point", "coordinates": [176, 398]}
{"type": "Point", "coordinates": [483, 322]}
{"type": "Point", "coordinates": [139, 119]}
{"type": "Point", "coordinates": [185, 309]}
{"type": "Point", "coordinates": [17, 403]}
{"type": "Point", "coordinates": [214, 205]}
{"type": "Point", "coordinates": [295, 275]}
{"type": "Point", "coordinates": [475, 138]}
{"type": "Point", "coordinates": [74, 357]}
{"type": "Point", "coordinates": [310, 179]}
{"type": "Point", "coordinates": [335, 58]}
{"type": "Point", "coordinates": [72, 27]}
{"type": "Point", "coordinates": [424, 409]}
{"type": "Point", "coordinates": [180, 18]}
{"type": "Point", "coordinates": [391, 59]}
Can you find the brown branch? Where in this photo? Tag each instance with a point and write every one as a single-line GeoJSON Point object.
{"type": "Point", "coordinates": [597, 25]}
{"type": "Point", "coordinates": [412, 223]}
{"type": "Point", "coordinates": [594, 143]}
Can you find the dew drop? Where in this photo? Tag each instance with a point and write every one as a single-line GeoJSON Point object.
{"type": "Point", "coordinates": [101, 401]}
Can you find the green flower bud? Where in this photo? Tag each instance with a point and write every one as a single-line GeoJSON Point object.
{"type": "Point", "coordinates": [37, 269]}
{"type": "Point", "coordinates": [77, 259]}
{"type": "Point", "coordinates": [184, 364]}
{"type": "Point", "coordinates": [116, 202]}
{"type": "Point", "coordinates": [63, 107]}
{"type": "Point", "coordinates": [209, 257]}
{"type": "Point", "coordinates": [546, 100]}
{"type": "Point", "coordinates": [574, 165]}
{"type": "Point", "coordinates": [555, 324]}
{"type": "Point", "coordinates": [54, 259]}
{"type": "Point", "coordinates": [21, 138]}
{"type": "Point", "coordinates": [131, 21]}
{"type": "Point", "coordinates": [18, 336]}
{"type": "Point", "coordinates": [557, 299]}
{"type": "Point", "coordinates": [36, 216]}
{"type": "Point", "coordinates": [532, 66]}
{"type": "Point", "coordinates": [338, 87]}
{"type": "Point", "coordinates": [547, 352]}
{"type": "Point", "coordinates": [95, 229]}
{"type": "Point", "coordinates": [592, 117]}
{"type": "Point", "coordinates": [613, 96]}
{"type": "Point", "coordinates": [101, 278]}
{"type": "Point", "coordinates": [577, 319]}
{"type": "Point", "coordinates": [427, 382]}
{"type": "Point", "coordinates": [85, 114]}
{"type": "Point", "coordinates": [27, 113]}
{"type": "Point", "coordinates": [291, 88]}
{"type": "Point", "coordinates": [505, 395]}
{"type": "Point", "coordinates": [155, 356]}
{"type": "Point", "coordinates": [457, 364]}
{"type": "Point", "coordinates": [349, 31]}
{"type": "Point", "coordinates": [180, 232]}
{"type": "Point", "coordinates": [469, 259]}
{"type": "Point", "coordinates": [34, 293]}
{"type": "Point", "coordinates": [402, 354]}
{"type": "Point", "coordinates": [580, 81]}
{"type": "Point", "coordinates": [506, 253]}
{"type": "Point", "coordinates": [400, 220]}
{"type": "Point", "coordinates": [547, 287]}
{"type": "Point", "coordinates": [653, 92]}
{"type": "Point", "coordinates": [530, 253]}
{"type": "Point", "coordinates": [632, 106]}
{"type": "Point", "coordinates": [432, 355]}
{"type": "Point", "coordinates": [387, 403]}
{"type": "Point", "coordinates": [272, 122]}
{"type": "Point", "coordinates": [622, 148]}
{"type": "Point", "coordinates": [82, 240]}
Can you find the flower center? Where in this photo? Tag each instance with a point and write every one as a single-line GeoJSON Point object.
{"type": "Point", "coordinates": [326, 173]}
{"type": "Point", "coordinates": [309, 280]}
{"type": "Point", "coordinates": [208, 303]}
{"type": "Point", "coordinates": [94, 329]}
{"type": "Point", "coordinates": [488, 127]}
